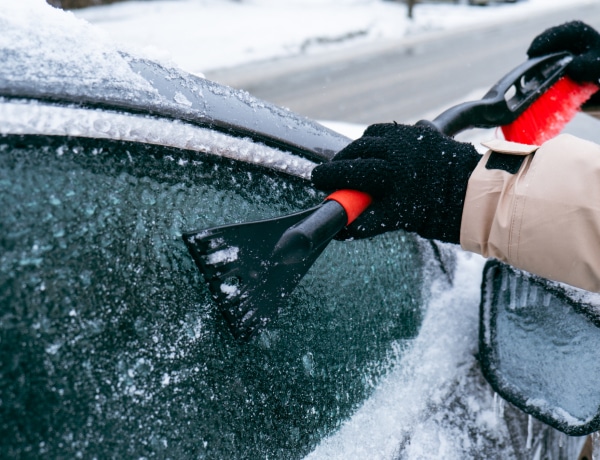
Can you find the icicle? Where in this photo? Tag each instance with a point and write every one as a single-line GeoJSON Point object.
{"type": "Point", "coordinates": [533, 294]}
{"type": "Point", "coordinates": [523, 295]}
{"type": "Point", "coordinates": [562, 439]}
{"type": "Point", "coordinates": [496, 415]}
{"type": "Point", "coordinates": [547, 299]}
{"type": "Point", "coordinates": [529, 432]}
{"type": "Point", "coordinates": [596, 445]}
{"type": "Point", "coordinates": [513, 293]}
{"type": "Point", "coordinates": [498, 407]}
{"type": "Point", "coordinates": [504, 284]}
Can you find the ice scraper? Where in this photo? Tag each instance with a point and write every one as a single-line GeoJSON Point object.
{"type": "Point", "coordinates": [251, 268]}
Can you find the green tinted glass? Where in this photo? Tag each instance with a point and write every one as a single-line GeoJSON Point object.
{"type": "Point", "coordinates": [110, 345]}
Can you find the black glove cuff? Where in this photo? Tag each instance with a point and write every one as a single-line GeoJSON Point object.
{"type": "Point", "coordinates": [443, 215]}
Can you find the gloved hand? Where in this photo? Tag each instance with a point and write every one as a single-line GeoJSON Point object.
{"type": "Point", "coordinates": [578, 38]}
{"type": "Point", "coordinates": [416, 175]}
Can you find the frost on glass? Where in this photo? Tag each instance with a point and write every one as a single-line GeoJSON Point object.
{"type": "Point", "coordinates": [543, 349]}
{"type": "Point", "coordinates": [33, 117]}
{"type": "Point", "coordinates": [110, 345]}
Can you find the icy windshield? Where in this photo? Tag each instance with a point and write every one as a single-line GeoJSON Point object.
{"type": "Point", "coordinates": [110, 342]}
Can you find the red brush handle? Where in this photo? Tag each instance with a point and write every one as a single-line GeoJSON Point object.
{"type": "Point", "coordinates": [353, 202]}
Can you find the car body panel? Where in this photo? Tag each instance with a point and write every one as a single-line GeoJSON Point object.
{"type": "Point", "coordinates": [110, 343]}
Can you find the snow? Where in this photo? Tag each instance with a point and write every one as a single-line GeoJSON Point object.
{"type": "Point", "coordinates": [26, 117]}
{"type": "Point", "coordinates": [226, 255]}
{"type": "Point", "coordinates": [202, 35]}
{"type": "Point", "coordinates": [94, 64]}
{"type": "Point", "coordinates": [443, 350]}
{"type": "Point", "coordinates": [230, 290]}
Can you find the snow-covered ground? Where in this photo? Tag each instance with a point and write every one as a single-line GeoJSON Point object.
{"type": "Point", "coordinates": [202, 35]}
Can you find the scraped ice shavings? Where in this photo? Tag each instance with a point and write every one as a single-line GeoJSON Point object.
{"type": "Point", "coordinates": [214, 243]}
{"type": "Point", "coordinates": [223, 256]}
{"type": "Point", "coordinates": [230, 290]}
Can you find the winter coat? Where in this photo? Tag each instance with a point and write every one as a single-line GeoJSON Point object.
{"type": "Point", "coordinates": [538, 209]}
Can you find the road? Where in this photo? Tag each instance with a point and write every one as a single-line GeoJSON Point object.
{"type": "Point", "coordinates": [403, 80]}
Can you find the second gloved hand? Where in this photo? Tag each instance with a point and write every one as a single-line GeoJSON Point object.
{"type": "Point", "coordinates": [578, 38]}
{"type": "Point", "coordinates": [416, 175]}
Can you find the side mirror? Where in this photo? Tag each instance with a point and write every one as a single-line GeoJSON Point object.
{"type": "Point", "coordinates": [539, 345]}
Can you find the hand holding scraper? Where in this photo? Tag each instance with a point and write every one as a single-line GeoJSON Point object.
{"type": "Point", "coordinates": [251, 268]}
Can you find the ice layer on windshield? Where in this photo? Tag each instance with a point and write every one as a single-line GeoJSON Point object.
{"type": "Point", "coordinates": [110, 343]}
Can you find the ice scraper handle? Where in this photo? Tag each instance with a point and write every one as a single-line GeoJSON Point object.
{"type": "Point", "coordinates": [507, 99]}
{"type": "Point", "coordinates": [353, 202]}
{"type": "Point", "coordinates": [302, 240]}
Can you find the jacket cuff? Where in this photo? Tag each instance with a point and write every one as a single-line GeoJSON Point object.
{"type": "Point", "coordinates": [545, 216]}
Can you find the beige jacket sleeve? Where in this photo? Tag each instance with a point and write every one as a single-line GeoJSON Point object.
{"type": "Point", "coordinates": [545, 218]}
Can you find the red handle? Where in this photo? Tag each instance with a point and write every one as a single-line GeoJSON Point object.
{"type": "Point", "coordinates": [353, 202]}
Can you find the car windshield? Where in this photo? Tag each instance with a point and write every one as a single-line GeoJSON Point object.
{"type": "Point", "coordinates": [110, 341]}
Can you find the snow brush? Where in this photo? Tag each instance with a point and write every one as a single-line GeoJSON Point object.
{"type": "Point", "coordinates": [251, 268]}
{"type": "Point", "coordinates": [550, 112]}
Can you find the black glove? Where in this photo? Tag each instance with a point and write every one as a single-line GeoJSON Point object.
{"type": "Point", "coordinates": [416, 175]}
{"type": "Point", "coordinates": [578, 38]}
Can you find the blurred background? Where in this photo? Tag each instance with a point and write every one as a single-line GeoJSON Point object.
{"type": "Point", "coordinates": [344, 61]}
{"type": "Point", "coordinates": [74, 4]}
{"type": "Point", "coordinates": [354, 62]}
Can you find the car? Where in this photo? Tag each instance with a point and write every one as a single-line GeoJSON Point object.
{"type": "Point", "coordinates": [111, 345]}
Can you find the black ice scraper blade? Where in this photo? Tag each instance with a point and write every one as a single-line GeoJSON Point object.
{"type": "Point", "coordinates": [251, 268]}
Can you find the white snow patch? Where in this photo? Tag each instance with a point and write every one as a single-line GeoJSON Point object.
{"type": "Point", "coordinates": [404, 399]}
{"type": "Point", "coordinates": [181, 99]}
{"type": "Point", "coordinates": [26, 117]}
{"type": "Point", "coordinates": [226, 255]}
{"type": "Point", "coordinates": [229, 289]}
{"type": "Point", "coordinates": [35, 32]}
{"type": "Point", "coordinates": [210, 34]}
